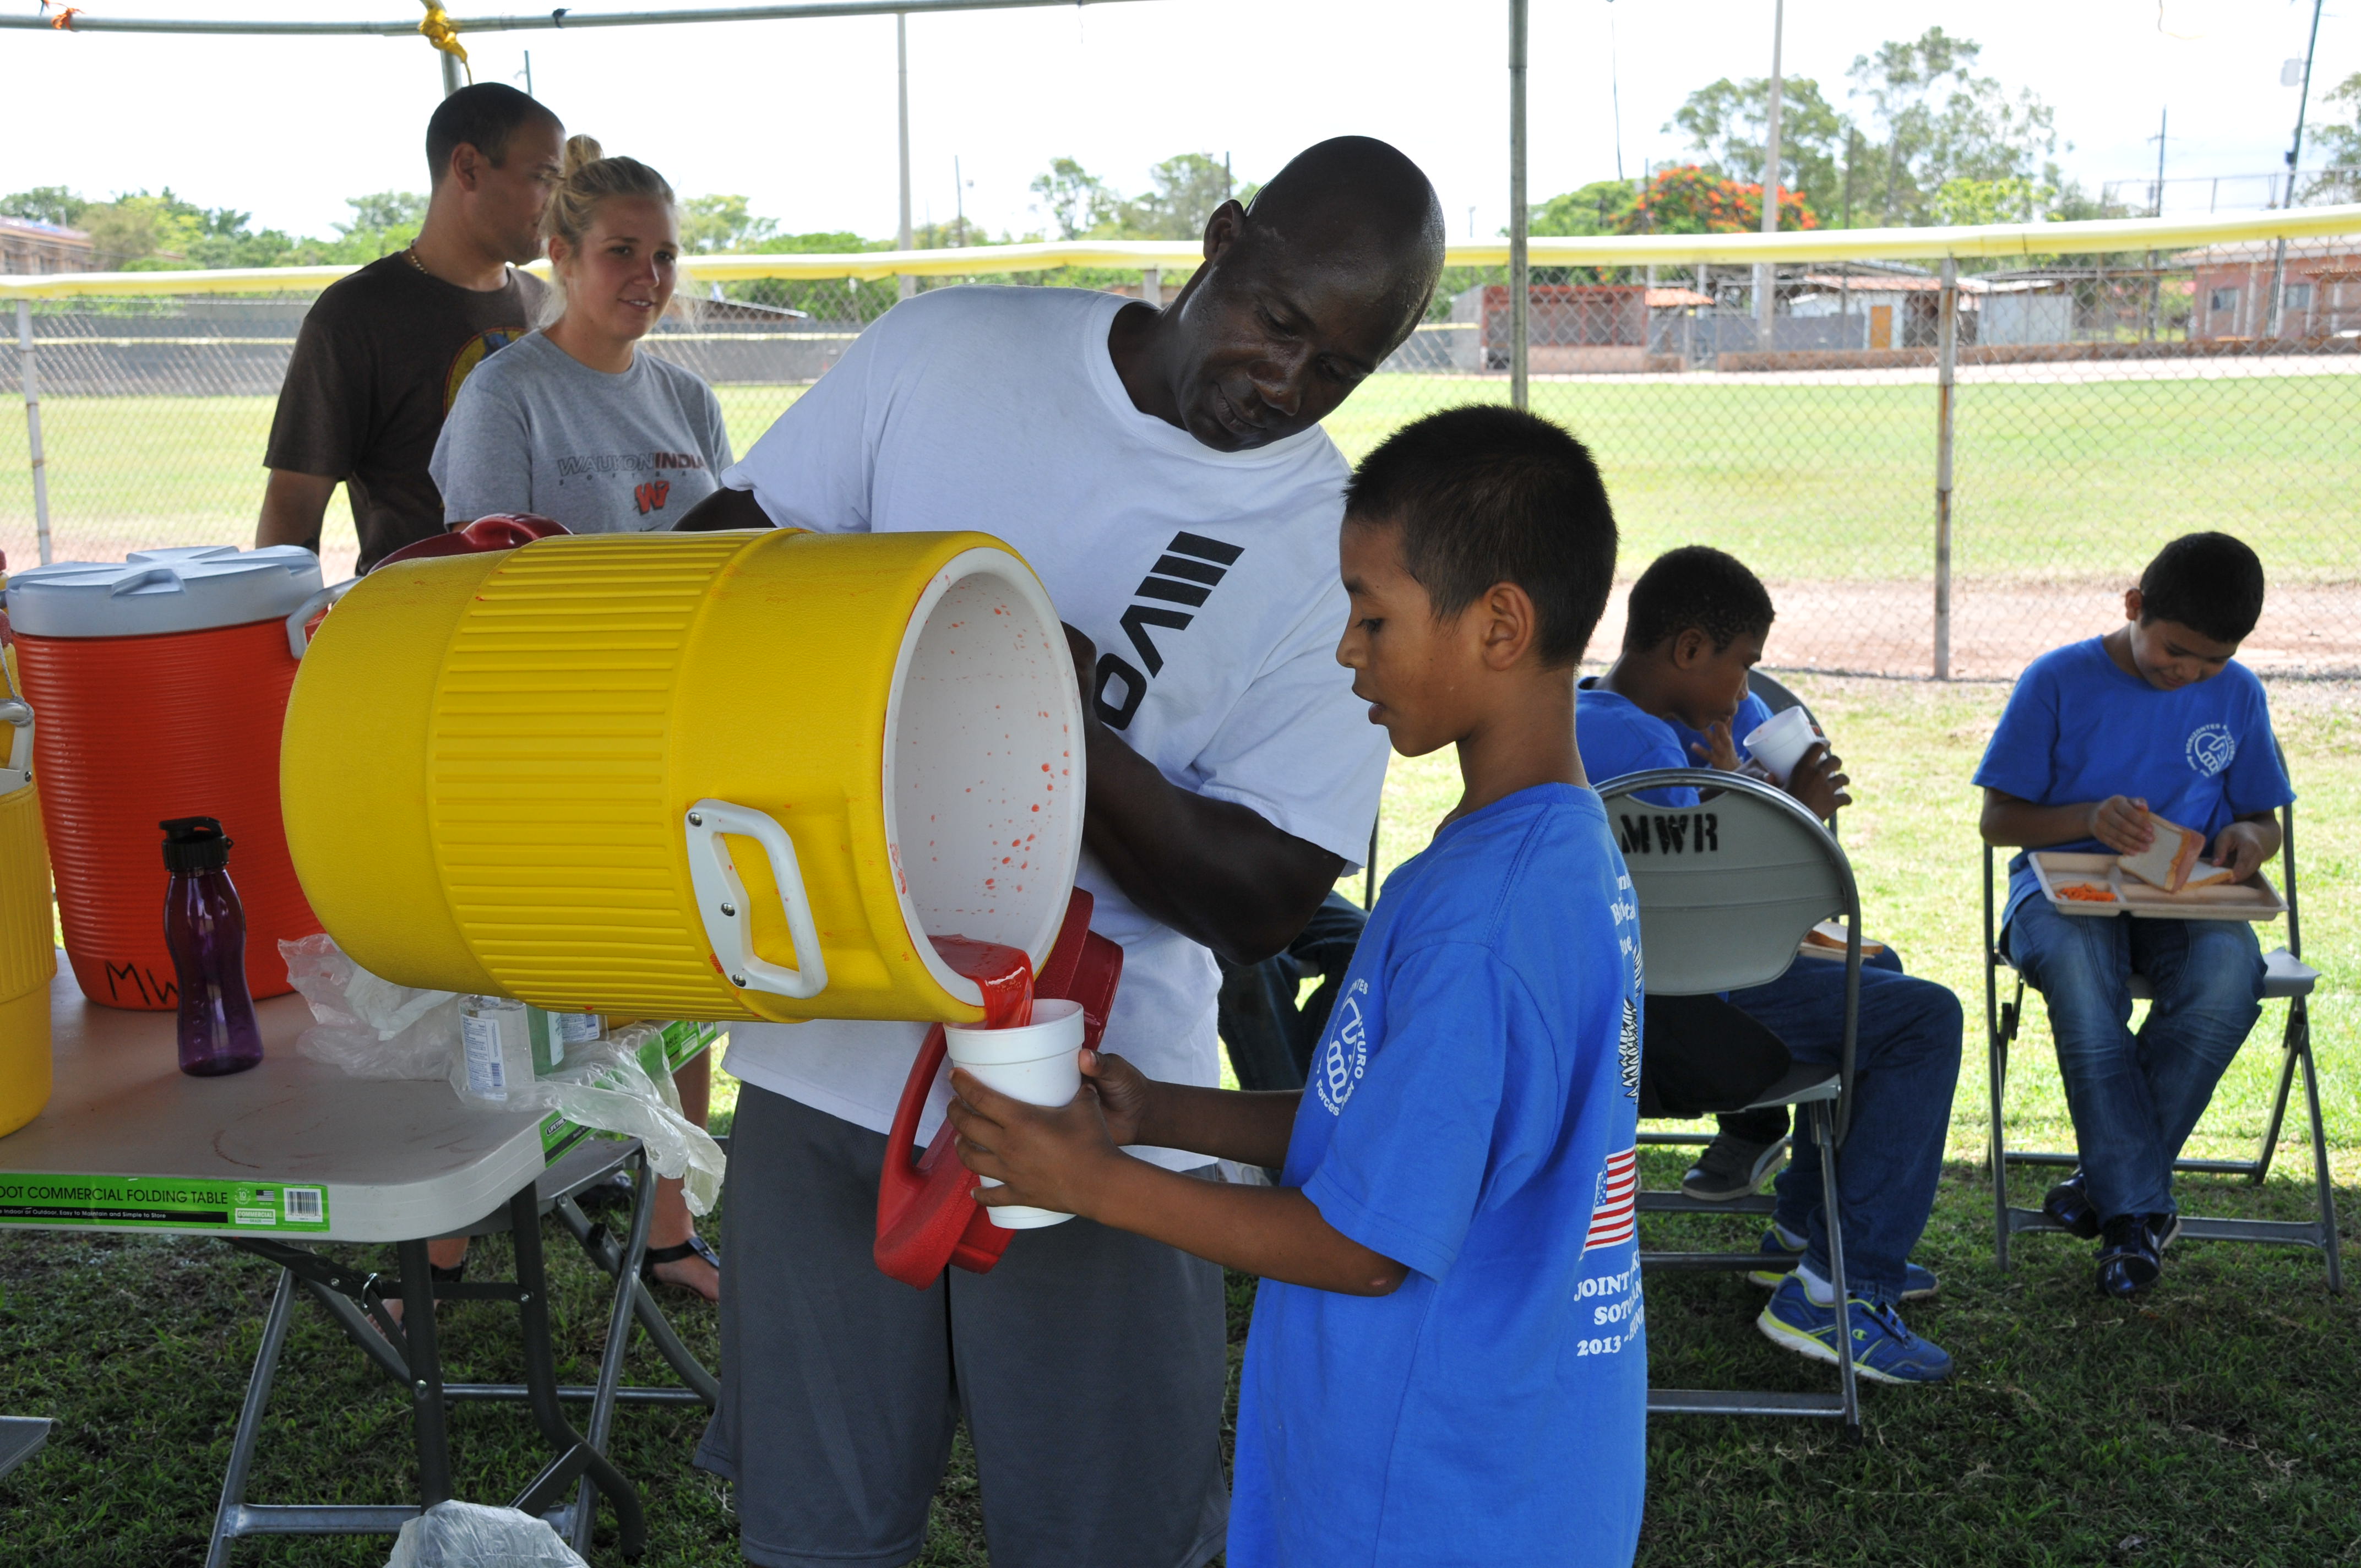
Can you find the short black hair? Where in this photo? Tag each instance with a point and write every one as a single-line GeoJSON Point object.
{"type": "Point", "coordinates": [1696, 586]}
{"type": "Point", "coordinates": [1487, 495]}
{"type": "Point", "coordinates": [2210, 583]}
{"type": "Point", "coordinates": [483, 116]}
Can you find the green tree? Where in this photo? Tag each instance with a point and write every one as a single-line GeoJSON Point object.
{"type": "Point", "coordinates": [1726, 124]}
{"type": "Point", "coordinates": [45, 205]}
{"type": "Point", "coordinates": [1184, 192]}
{"type": "Point", "coordinates": [1941, 122]}
{"type": "Point", "coordinates": [2338, 142]}
{"type": "Point", "coordinates": [1598, 207]}
{"type": "Point", "coordinates": [711, 224]}
{"type": "Point", "coordinates": [1077, 200]}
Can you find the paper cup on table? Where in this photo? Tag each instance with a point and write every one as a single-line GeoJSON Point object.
{"type": "Point", "coordinates": [1780, 743]}
{"type": "Point", "coordinates": [1037, 1064]}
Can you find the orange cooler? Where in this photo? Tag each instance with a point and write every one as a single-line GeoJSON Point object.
{"type": "Point", "coordinates": [162, 685]}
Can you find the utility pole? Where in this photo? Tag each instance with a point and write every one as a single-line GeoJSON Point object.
{"type": "Point", "coordinates": [2163, 118]}
{"type": "Point", "coordinates": [1615, 90]}
{"type": "Point", "coordinates": [1766, 291]}
{"type": "Point", "coordinates": [2279, 252]}
{"type": "Point", "coordinates": [1520, 218]}
{"type": "Point", "coordinates": [908, 284]}
{"type": "Point", "coordinates": [959, 199]}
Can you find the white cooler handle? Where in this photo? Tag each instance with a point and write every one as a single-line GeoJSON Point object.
{"type": "Point", "coordinates": [297, 641]}
{"type": "Point", "coordinates": [722, 900]}
{"type": "Point", "coordinates": [19, 757]}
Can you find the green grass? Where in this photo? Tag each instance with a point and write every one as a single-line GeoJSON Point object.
{"type": "Point", "coordinates": [2056, 479]}
{"type": "Point", "coordinates": [2212, 1422]}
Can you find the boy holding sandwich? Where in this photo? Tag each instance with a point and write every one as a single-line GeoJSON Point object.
{"type": "Point", "coordinates": [2123, 742]}
{"type": "Point", "coordinates": [1696, 624]}
{"type": "Point", "coordinates": [1447, 1362]}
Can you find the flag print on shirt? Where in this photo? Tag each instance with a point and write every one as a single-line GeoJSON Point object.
{"type": "Point", "coordinates": [1614, 1214]}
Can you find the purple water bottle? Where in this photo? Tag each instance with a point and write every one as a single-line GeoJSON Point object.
{"type": "Point", "coordinates": [204, 926]}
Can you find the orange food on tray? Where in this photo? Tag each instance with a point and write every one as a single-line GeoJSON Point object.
{"type": "Point", "coordinates": [2086, 892]}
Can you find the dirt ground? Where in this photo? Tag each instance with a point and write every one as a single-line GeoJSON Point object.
{"type": "Point", "coordinates": [1998, 628]}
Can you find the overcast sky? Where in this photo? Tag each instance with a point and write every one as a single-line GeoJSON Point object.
{"type": "Point", "coordinates": [799, 115]}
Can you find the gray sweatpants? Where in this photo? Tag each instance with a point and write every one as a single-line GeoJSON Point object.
{"type": "Point", "coordinates": [1089, 1368]}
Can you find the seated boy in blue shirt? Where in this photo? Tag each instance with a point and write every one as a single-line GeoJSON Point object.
{"type": "Point", "coordinates": [1697, 623]}
{"type": "Point", "coordinates": [2154, 717]}
{"type": "Point", "coordinates": [1447, 1361]}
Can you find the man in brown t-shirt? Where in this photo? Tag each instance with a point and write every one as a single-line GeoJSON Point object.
{"type": "Point", "coordinates": [382, 353]}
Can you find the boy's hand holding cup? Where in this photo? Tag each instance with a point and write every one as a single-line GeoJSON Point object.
{"type": "Point", "coordinates": [1027, 1125]}
{"type": "Point", "coordinates": [1797, 756]}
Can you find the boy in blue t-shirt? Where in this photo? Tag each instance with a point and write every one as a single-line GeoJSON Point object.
{"type": "Point", "coordinates": [2154, 717]}
{"type": "Point", "coordinates": [1447, 1362]}
{"type": "Point", "coordinates": [1697, 623]}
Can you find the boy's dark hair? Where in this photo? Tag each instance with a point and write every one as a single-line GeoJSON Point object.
{"type": "Point", "coordinates": [2210, 583]}
{"type": "Point", "coordinates": [1486, 495]}
{"type": "Point", "coordinates": [1696, 586]}
{"type": "Point", "coordinates": [483, 116]}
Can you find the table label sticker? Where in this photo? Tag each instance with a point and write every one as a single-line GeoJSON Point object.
{"type": "Point", "coordinates": [163, 1202]}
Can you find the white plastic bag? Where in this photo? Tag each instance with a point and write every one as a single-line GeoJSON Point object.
{"type": "Point", "coordinates": [604, 1085]}
{"type": "Point", "coordinates": [368, 1026]}
{"type": "Point", "coordinates": [470, 1535]}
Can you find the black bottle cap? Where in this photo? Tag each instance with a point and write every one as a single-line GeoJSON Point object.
{"type": "Point", "coordinates": [194, 844]}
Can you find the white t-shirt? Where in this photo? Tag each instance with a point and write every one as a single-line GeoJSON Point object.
{"type": "Point", "coordinates": [1207, 579]}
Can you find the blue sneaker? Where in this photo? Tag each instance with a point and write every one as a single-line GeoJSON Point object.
{"type": "Point", "coordinates": [1884, 1348]}
{"type": "Point", "coordinates": [1917, 1284]}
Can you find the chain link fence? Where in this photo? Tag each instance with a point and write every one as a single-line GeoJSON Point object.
{"type": "Point", "coordinates": [2100, 404]}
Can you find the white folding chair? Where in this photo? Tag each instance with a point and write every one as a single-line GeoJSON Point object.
{"type": "Point", "coordinates": [1726, 889]}
{"type": "Point", "coordinates": [2285, 977]}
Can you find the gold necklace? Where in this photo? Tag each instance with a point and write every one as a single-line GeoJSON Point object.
{"type": "Point", "coordinates": [410, 251]}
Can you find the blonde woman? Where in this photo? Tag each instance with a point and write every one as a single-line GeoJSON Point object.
{"type": "Point", "coordinates": [580, 426]}
{"type": "Point", "coordinates": [573, 422]}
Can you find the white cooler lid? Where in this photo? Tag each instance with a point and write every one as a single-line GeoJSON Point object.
{"type": "Point", "coordinates": [189, 588]}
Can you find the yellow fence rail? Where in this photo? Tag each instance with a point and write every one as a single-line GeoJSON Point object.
{"type": "Point", "coordinates": [1180, 258]}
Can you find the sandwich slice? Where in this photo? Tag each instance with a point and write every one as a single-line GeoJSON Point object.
{"type": "Point", "coordinates": [2172, 862]}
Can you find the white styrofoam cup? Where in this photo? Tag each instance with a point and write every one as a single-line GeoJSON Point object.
{"type": "Point", "coordinates": [1038, 1064]}
{"type": "Point", "coordinates": [1780, 743]}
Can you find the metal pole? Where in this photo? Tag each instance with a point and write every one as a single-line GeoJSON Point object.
{"type": "Point", "coordinates": [909, 284]}
{"type": "Point", "coordinates": [29, 378]}
{"type": "Point", "coordinates": [1520, 220]}
{"type": "Point", "coordinates": [2295, 152]}
{"type": "Point", "coordinates": [1152, 287]}
{"type": "Point", "coordinates": [1766, 291]}
{"type": "Point", "coordinates": [451, 82]}
{"type": "Point", "coordinates": [1946, 363]}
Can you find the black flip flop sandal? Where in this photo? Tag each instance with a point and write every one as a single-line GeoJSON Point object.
{"type": "Point", "coordinates": [693, 1247]}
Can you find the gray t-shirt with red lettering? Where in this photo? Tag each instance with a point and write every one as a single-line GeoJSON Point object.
{"type": "Point", "coordinates": [536, 429]}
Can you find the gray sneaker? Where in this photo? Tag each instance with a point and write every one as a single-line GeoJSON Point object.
{"type": "Point", "coordinates": [1732, 1168]}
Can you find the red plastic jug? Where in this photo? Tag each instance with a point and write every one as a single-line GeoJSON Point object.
{"type": "Point", "coordinates": [927, 1213]}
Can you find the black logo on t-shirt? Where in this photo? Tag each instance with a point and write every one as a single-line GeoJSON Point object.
{"type": "Point", "coordinates": [1191, 566]}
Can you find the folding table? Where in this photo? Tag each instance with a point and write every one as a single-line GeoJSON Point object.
{"type": "Point", "coordinates": [294, 1153]}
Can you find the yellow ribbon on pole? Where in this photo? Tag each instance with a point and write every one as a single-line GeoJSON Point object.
{"type": "Point", "coordinates": [444, 35]}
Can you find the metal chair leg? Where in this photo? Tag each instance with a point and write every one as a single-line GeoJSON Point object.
{"type": "Point", "coordinates": [2326, 1188]}
{"type": "Point", "coordinates": [2289, 1050]}
{"type": "Point", "coordinates": [249, 1419]}
{"type": "Point", "coordinates": [1847, 1379]}
{"type": "Point", "coordinates": [1998, 1028]}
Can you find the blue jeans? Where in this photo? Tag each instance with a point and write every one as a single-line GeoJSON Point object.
{"type": "Point", "coordinates": [2134, 1097]}
{"type": "Point", "coordinates": [1906, 1064]}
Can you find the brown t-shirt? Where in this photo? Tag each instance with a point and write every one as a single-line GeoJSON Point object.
{"type": "Point", "coordinates": [376, 366]}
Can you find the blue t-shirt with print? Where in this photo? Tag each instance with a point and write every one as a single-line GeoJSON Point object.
{"type": "Point", "coordinates": [1472, 1114]}
{"type": "Point", "coordinates": [1617, 736]}
{"type": "Point", "coordinates": [2078, 728]}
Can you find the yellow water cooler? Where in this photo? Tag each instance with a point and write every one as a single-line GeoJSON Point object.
{"type": "Point", "coordinates": [743, 775]}
{"type": "Point", "coordinates": [27, 945]}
